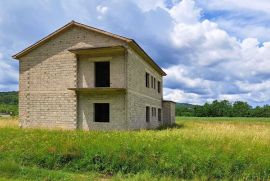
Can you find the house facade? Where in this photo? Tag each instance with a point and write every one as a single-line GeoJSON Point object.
{"type": "Point", "coordinates": [80, 77]}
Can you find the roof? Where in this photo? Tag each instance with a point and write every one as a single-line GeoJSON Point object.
{"type": "Point", "coordinates": [132, 43]}
{"type": "Point", "coordinates": [169, 101]}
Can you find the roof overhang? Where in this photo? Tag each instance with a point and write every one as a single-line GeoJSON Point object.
{"type": "Point", "coordinates": [169, 101]}
{"type": "Point", "coordinates": [99, 51]}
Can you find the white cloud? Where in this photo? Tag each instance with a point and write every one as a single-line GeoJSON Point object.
{"type": "Point", "coordinates": [185, 12]}
{"type": "Point", "coordinates": [255, 87]}
{"type": "Point", "coordinates": [242, 28]}
{"type": "Point", "coordinates": [209, 42]}
{"type": "Point", "coordinates": [102, 10]}
{"type": "Point", "coordinates": [181, 75]}
{"type": "Point", "coordinates": [181, 96]}
{"type": "Point", "coordinates": [258, 5]}
{"type": "Point", "coordinates": [232, 97]}
{"type": "Point", "coordinates": [243, 18]}
{"type": "Point", "coordinates": [147, 5]}
{"type": "Point", "coordinates": [8, 75]}
{"type": "Point", "coordinates": [212, 52]}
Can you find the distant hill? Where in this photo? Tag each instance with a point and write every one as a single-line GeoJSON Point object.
{"type": "Point", "coordinates": [184, 109]}
{"type": "Point", "coordinates": [9, 98]}
{"type": "Point", "coordinates": [187, 105]}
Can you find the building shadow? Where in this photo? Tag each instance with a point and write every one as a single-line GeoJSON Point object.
{"type": "Point", "coordinates": [172, 126]}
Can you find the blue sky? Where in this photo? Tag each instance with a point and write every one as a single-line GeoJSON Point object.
{"type": "Point", "coordinates": [210, 49]}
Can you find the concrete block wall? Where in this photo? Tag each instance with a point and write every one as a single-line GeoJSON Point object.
{"type": "Point", "coordinates": [47, 72]}
{"type": "Point", "coordinates": [139, 96]}
{"type": "Point", "coordinates": [49, 109]}
{"type": "Point", "coordinates": [86, 71]}
{"type": "Point", "coordinates": [137, 67]}
{"type": "Point", "coordinates": [168, 108]}
{"type": "Point", "coordinates": [137, 111]}
{"type": "Point", "coordinates": [117, 102]}
{"type": "Point", "coordinates": [44, 98]}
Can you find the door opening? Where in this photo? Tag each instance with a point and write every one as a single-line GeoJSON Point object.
{"type": "Point", "coordinates": [102, 74]}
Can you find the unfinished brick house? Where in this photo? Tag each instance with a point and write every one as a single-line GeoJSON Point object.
{"type": "Point", "coordinates": [80, 77]}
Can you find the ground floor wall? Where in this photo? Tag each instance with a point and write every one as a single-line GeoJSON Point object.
{"type": "Point", "coordinates": [117, 113]}
{"type": "Point", "coordinates": [71, 110]}
{"type": "Point", "coordinates": [136, 105]}
{"type": "Point", "coordinates": [168, 108]}
{"type": "Point", "coordinates": [47, 109]}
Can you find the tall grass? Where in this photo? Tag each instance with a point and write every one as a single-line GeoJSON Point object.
{"type": "Point", "coordinates": [10, 122]}
{"type": "Point", "coordinates": [227, 148]}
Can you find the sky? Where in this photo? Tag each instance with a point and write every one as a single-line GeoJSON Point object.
{"type": "Point", "coordinates": [210, 49]}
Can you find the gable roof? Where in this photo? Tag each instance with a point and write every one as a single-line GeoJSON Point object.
{"type": "Point", "coordinates": [132, 43]}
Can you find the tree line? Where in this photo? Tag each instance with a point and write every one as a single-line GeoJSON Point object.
{"type": "Point", "coordinates": [223, 108]}
{"type": "Point", "coordinates": [9, 103]}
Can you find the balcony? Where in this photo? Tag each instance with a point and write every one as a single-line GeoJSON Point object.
{"type": "Point", "coordinates": [97, 90]}
{"type": "Point", "coordinates": [100, 69]}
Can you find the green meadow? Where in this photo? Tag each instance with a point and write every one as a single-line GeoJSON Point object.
{"type": "Point", "coordinates": [194, 149]}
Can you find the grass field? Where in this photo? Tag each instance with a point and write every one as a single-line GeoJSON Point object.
{"type": "Point", "coordinates": [198, 148]}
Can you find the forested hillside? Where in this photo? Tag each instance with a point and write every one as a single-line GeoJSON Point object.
{"type": "Point", "coordinates": [9, 103]}
{"type": "Point", "coordinates": [222, 109]}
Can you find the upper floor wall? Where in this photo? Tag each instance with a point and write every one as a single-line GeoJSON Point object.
{"type": "Point", "coordinates": [137, 81]}
{"type": "Point", "coordinates": [87, 71]}
{"type": "Point", "coordinates": [52, 67]}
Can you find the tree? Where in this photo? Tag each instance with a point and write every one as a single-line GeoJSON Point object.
{"type": "Point", "coordinates": [241, 109]}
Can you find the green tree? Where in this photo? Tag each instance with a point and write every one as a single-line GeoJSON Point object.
{"type": "Point", "coordinates": [241, 109]}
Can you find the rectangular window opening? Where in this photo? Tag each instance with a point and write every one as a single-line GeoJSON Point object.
{"type": "Point", "coordinates": [159, 114]}
{"type": "Point", "coordinates": [152, 83]}
{"type": "Point", "coordinates": [102, 74]}
{"type": "Point", "coordinates": [102, 112]}
{"type": "Point", "coordinates": [147, 114]}
{"type": "Point", "coordinates": [147, 80]}
{"type": "Point", "coordinates": [158, 86]}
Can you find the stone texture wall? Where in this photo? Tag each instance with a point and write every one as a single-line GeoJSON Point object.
{"type": "Point", "coordinates": [168, 108]}
{"type": "Point", "coordinates": [86, 71]}
{"type": "Point", "coordinates": [117, 111]}
{"type": "Point", "coordinates": [47, 72]}
{"type": "Point", "coordinates": [139, 96]}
